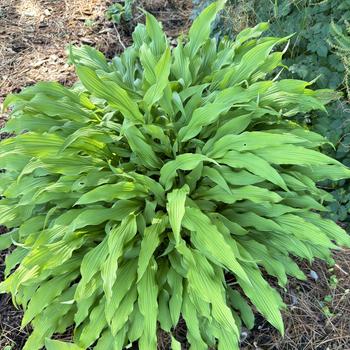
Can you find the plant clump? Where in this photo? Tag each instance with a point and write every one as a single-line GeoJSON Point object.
{"type": "Point", "coordinates": [165, 184]}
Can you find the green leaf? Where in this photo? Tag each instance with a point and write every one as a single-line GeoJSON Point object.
{"type": "Point", "coordinates": [290, 154]}
{"type": "Point", "coordinates": [175, 302]}
{"type": "Point", "coordinates": [210, 113]}
{"type": "Point", "coordinates": [192, 323]}
{"type": "Point", "coordinates": [252, 193]}
{"type": "Point", "coordinates": [100, 215]}
{"type": "Point", "coordinates": [250, 141]}
{"type": "Point", "coordinates": [200, 29]}
{"type": "Point", "coordinates": [60, 345]}
{"type": "Point", "coordinates": [187, 161]}
{"type": "Point", "coordinates": [256, 165]}
{"type": "Point", "coordinates": [234, 126]}
{"type": "Point", "coordinates": [111, 92]}
{"type": "Point", "coordinates": [150, 242]}
{"type": "Point", "coordinates": [90, 265]}
{"type": "Point", "coordinates": [297, 226]}
{"type": "Point", "coordinates": [155, 32]}
{"type": "Point", "coordinates": [163, 311]}
{"type": "Point", "coordinates": [96, 323]}
{"type": "Point", "coordinates": [119, 236]}
{"type": "Point", "coordinates": [45, 324]}
{"type": "Point", "coordinates": [330, 228]}
{"type": "Point", "coordinates": [139, 144]}
{"type": "Point", "coordinates": [175, 345]}
{"type": "Point", "coordinates": [264, 297]}
{"type": "Point", "coordinates": [136, 324]}
{"type": "Point", "coordinates": [324, 172]}
{"type": "Point", "coordinates": [250, 33]}
{"type": "Point", "coordinates": [161, 71]}
{"type": "Point", "coordinates": [88, 56]}
{"type": "Point", "coordinates": [107, 341]}
{"type": "Point", "coordinates": [125, 279]}
{"type": "Point", "coordinates": [205, 286]}
{"type": "Point", "coordinates": [176, 209]}
{"type": "Point", "coordinates": [215, 176]}
{"type": "Point", "coordinates": [181, 66]}
{"type": "Point", "coordinates": [148, 292]}
{"type": "Point", "coordinates": [250, 62]}
{"type": "Point", "coordinates": [123, 312]}
{"type": "Point", "coordinates": [110, 192]}
{"type": "Point", "coordinates": [213, 245]}
{"type": "Point", "coordinates": [7, 239]}
{"type": "Point", "coordinates": [45, 294]}
{"type": "Point", "coordinates": [239, 303]}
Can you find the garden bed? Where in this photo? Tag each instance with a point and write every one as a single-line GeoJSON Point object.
{"type": "Point", "coordinates": [33, 37]}
{"type": "Point", "coordinates": [35, 33]}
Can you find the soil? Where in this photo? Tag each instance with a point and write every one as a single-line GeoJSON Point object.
{"type": "Point", "coordinates": [317, 314]}
{"type": "Point", "coordinates": [33, 38]}
{"type": "Point", "coordinates": [34, 35]}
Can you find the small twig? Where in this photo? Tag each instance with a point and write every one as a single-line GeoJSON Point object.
{"type": "Point", "coordinates": [331, 340]}
{"type": "Point", "coordinates": [339, 268]}
{"type": "Point", "coordinates": [118, 36]}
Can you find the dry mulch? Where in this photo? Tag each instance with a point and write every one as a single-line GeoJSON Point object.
{"type": "Point", "coordinates": [33, 37]}
{"type": "Point", "coordinates": [318, 313]}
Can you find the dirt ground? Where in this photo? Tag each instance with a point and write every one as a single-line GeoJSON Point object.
{"type": "Point", "coordinates": [35, 33]}
{"type": "Point", "coordinates": [33, 38]}
{"type": "Point", "coordinates": [318, 313]}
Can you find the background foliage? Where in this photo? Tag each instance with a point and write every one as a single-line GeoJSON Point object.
{"type": "Point", "coordinates": [314, 52]}
{"type": "Point", "coordinates": [116, 12]}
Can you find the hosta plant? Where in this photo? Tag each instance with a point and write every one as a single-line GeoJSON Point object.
{"type": "Point", "coordinates": [166, 185]}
